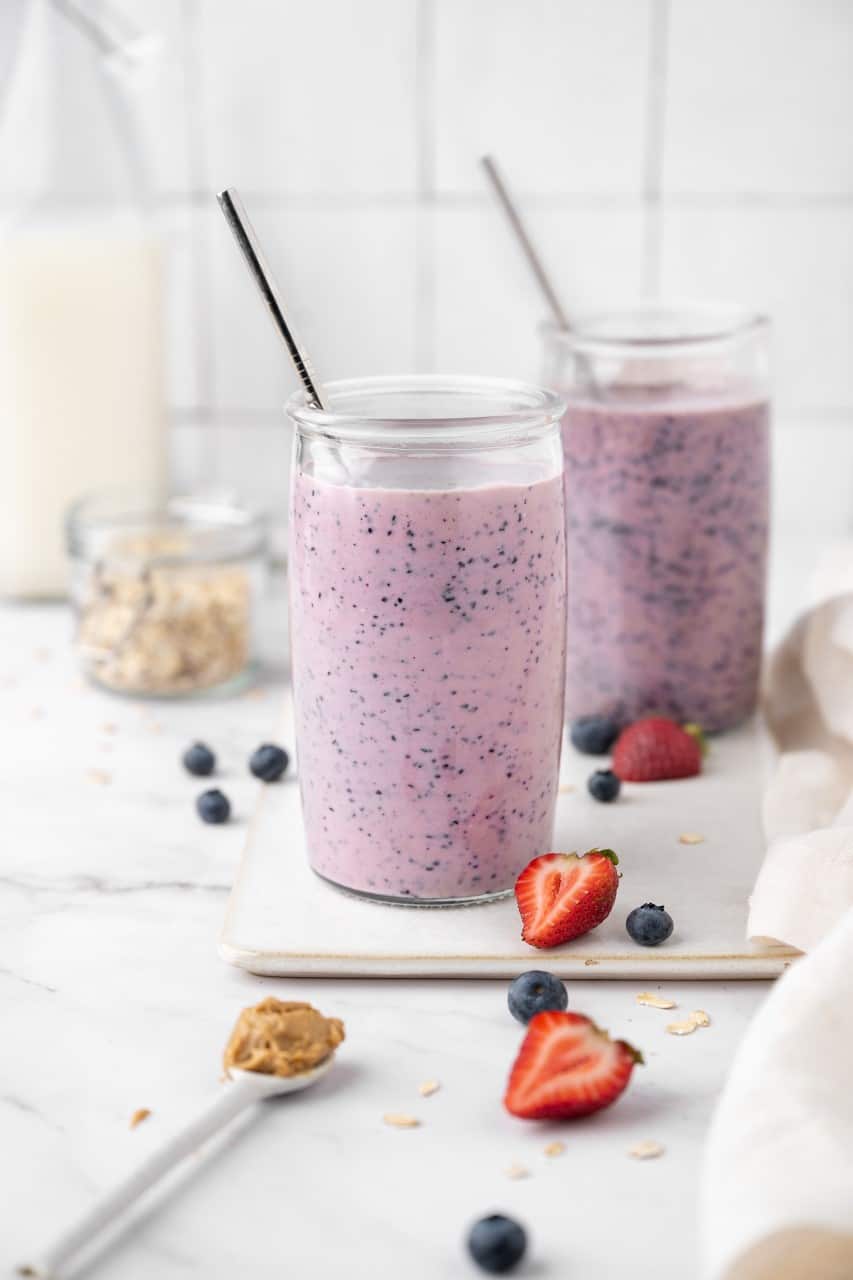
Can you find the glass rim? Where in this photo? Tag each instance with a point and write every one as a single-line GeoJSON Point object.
{"type": "Point", "coordinates": [241, 531]}
{"type": "Point", "coordinates": [511, 408]}
{"type": "Point", "coordinates": [721, 323]}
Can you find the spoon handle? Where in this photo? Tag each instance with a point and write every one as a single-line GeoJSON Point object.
{"type": "Point", "coordinates": [106, 1211]}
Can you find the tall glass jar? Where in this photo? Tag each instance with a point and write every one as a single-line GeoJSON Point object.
{"type": "Point", "coordinates": [427, 563]}
{"type": "Point", "coordinates": [666, 441]}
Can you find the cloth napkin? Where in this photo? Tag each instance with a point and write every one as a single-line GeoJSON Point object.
{"type": "Point", "coordinates": [778, 1177]}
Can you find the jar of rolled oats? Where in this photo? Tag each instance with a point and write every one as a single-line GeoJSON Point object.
{"type": "Point", "coordinates": [165, 595]}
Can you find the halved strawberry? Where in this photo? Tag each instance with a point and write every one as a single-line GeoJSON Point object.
{"type": "Point", "coordinates": [567, 1067]}
{"type": "Point", "coordinates": [656, 749]}
{"type": "Point", "coordinates": [560, 895]}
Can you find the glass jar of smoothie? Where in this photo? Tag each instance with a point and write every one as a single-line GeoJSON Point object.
{"type": "Point", "coordinates": [666, 442]}
{"type": "Point", "coordinates": [428, 618]}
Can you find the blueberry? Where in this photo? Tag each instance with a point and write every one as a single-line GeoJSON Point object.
{"type": "Point", "coordinates": [533, 992]}
{"type": "Point", "coordinates": [594, 735]}
{"type": "Point", "coordinates": [497, 1243]}
{"type": "Point", "coordinates": [649, 925]}
{"type": "Point", "coordinates": [269, 762]}
{"type": "Point", "coordinates": [603, 785]}
{"type": "Point", "coordinates": [213, 806]}
{"type": "Point", "coordinates": [199, 760]}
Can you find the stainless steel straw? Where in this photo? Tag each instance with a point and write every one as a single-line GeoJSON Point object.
{"type": "Point", "coordinates": [246, 237]}
{"type": "Point", "coordinates": [510, 209]}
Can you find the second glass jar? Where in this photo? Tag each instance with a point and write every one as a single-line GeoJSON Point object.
{"type": "Point", "coordinates": [428, 616]}
{"type": "Point", "coordinates": [666, 439]}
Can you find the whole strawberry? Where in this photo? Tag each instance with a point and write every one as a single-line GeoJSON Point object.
{"type": "Point", "coordinates": [654, 750]}
{"type": "Point", "coordinates": [561, 895]}
{"type": "Point", "coordinates": [567, 1067]}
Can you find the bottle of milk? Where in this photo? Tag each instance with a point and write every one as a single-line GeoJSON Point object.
{"type": "Point", "coordinates": [81, 361]}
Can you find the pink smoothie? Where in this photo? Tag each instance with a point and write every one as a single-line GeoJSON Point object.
{"type": "Point", "coordinates": [667, 511]}
{"type": "Point", "coordinates": [428, 632]}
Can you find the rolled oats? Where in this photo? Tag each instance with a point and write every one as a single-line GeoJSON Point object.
{"type": "Point", "coordinates": [653, 1001]}
{"type": "Point", "coordinates": [647, 1150]}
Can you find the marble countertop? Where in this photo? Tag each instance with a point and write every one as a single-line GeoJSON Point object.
{"type": "Point", "coordinates": [112, 895]}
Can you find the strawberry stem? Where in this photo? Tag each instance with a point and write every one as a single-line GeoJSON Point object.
{"type": "Point", "coordinates": [695, 731]}
{"type": "Point", "coordinates": [606, 853]}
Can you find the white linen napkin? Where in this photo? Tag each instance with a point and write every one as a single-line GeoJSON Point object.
{"type": "Point", "coordinates": [778, 1174]}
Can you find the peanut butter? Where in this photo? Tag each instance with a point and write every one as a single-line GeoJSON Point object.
{"type": "Point", "coordinates": [282, 1038]}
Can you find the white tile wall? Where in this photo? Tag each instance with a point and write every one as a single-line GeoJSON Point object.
{"type": "Point", "coordinates": [557, 89]}
{"type": "Point", "coordinates": [348, 275]}
{"type": "Point", "coordinates": [760, 97]}
{"type": "Point", "coordinates": [487, 308]}
{"type": "Point", "coordinates": [309, 97]}
{"type": "Point", "coordinates": [676, 145]}
{"type": "Point", "coordinates": [795, 263]}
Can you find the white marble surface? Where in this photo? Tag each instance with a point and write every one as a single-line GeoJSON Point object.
{"type": "Point", "coordinates": [113, 998]}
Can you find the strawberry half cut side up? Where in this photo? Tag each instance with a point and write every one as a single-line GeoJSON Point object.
{"type": "Point", "coordinates": [656, 750]}
{"type": "Point", "coordinates": [562, 895]}
{"type": "Point", "coordinates": [567, 1067]}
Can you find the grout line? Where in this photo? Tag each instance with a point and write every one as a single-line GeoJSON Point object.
{"type": "Point", "coordinates": [425, 246]}
{"type": "Point", "coordinates": [655, 132]}
{"type": "Point", "coordinates": [348, 201]}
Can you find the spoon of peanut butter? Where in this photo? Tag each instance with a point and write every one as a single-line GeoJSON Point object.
{"type": "Point", "coordinates": [276, 1047]}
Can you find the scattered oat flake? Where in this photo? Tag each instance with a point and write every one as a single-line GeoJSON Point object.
{"type": "Point", "coordinates": [699, 1018]}
{"type": "Point", "coordinates": [653, 1001]}
{"type": "Point", "coordinates": [397, 1120]}
{"type": "Point", "coordinates": [647, 1150]}
{"type": "Point", "coordinates": [109, 727]}
{"type": "Point", "coordinates": [428, 1088]}
{"type": "Point", "coordinates": [566, 788]}
{"type": "Point", "coordinates": [681, 1028]}
{"type": "Point", "coordinates": [691, 837]}
{"type": "Point", "coordinates": [517, 1172]}
{"type": "Point", "coordinates": [101, 776]}
{"type": "Point", "coordinates": [138, 1116]}
{"type": "Point", "coordinates": [589, 963]}
{"type": "Point", "coordinates": [555, 1148]}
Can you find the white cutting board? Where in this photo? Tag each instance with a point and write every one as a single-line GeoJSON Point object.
{"type": "Point", "coordinates": [282, 920]}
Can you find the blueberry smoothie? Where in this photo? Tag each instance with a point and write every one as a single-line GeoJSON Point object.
{"type": "Point", "coordinates": [667, 516]}
{"type": "Point", "coordinates": [428, 632]}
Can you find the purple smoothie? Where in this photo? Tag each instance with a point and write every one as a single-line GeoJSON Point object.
{"type": "Point", "coordinates": [428, 632]}
{"type": "Point", "coordinates": [667, 515]}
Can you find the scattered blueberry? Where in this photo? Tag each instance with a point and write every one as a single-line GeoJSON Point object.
{"type": "Point", "coordinates": [213, 806]}
{"type": "Point", "coordinates": [594, 735]}
{"type": "Point", "coordinates": [649, 925]}
{"type": "Point", "coordinates": [199, 760]}
{"type": "Point", "coordinates": [603, 785]}
{"type": "Point", "coordinates": [269, 762]}
{"type": "Point", "coordinates": [534, 992]}
{"type": "Point", "coordinates": [497, 1243]}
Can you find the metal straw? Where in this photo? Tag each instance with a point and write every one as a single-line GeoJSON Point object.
{"type": "Point", "coordinates": [246, 237]}
{"type": "Point", "coordinates": [509, 207]}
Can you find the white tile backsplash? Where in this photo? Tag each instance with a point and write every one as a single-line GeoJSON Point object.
{"type": "Point", "coordinates": [308, 98]}
{"type": "Point", "coordinates": [354, 131]}
{"type": "Point", "coordinates": [760, 97]}
{"type": "Point", "coordinates": [347, 274]}
{"type": "Point", "coordinates": [812, 478]}
{"type": "Point", "coordinates": [556, 89]}
{"type": "Point", "coordinates": [794, 263]}
{"type": "Point", "coordinates": [488, 308]}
